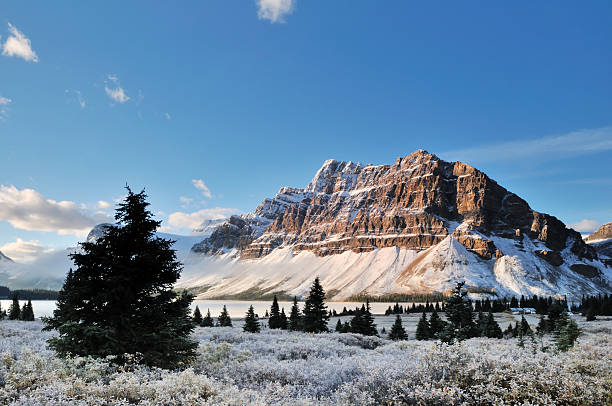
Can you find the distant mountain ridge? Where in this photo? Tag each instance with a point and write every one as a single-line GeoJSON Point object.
{"type": "Point", "coordinates": [419, 224]}
{"type": "Point", "coordinates": [601, 240]}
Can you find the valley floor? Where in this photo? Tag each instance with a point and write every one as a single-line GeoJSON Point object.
{"type": "Point", "coordinates": [284, 368]}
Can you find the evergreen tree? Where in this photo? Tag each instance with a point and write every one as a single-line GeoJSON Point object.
{"type": "Point", "coordinates": [481, 324]}
{"type": "Point", "coordinates": [346, 327]}
{"type": "Point", "coordinates": [397, 330]}
{"type": "Point", "coordinates": [197, 316]}
{"type": "Point", "coordinates": [357, 321]}
{"type": "Point", "coordinates": [460, 325]}
{"type": "Point", "coordinates": [207, 321]}
{"type": "Point", "coordinates": [251, 324]}
{"type": "Point", "coordinates": [541, 328]}
{"type": "Point", "coordinates": [27, 312]}
{"type": "Point", "coordinates": [224, 319]}
{"type": "Point", "coordinates": [274, 321]}
{"type": "Point", "coordinates": [567, 335]}
{"type": "Point", "coordinates": [121, 298]}
{"type": "Point", "coordinates": [14, 312]}
{"type": "Point", "coordinates": [423, 332]}
{"type": "Point", "coordinates": [524, 327]}
{"type": "Point", "coordinates": [284, 323]}
{"type": "Point", "coordinates": [492, 330]}
{"type": "Point", "coordinates": [436, 324]}
{"type": "Point", "coordinates": [339, 326]}
{"type": "Point", "coordinates": [295, 319]}
{"type": "Point", "coordinates": [368, 325]}
{"type": "Point", "coordinates": [315, 311]}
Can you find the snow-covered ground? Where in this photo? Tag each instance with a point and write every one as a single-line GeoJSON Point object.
{"type": "Point", "coordinates": [283, 368]}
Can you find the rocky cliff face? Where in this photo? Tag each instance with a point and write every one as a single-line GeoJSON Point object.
{"type": "Point", "coordinates": [601, 240]}
{"type": "Point", "coordinates": [418, 204]}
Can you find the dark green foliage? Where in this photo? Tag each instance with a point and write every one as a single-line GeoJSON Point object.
{"type": "Point", "coordinates": [275, 319]}
{"type": "Point", "coordinates": [397, 330]}
{"type": "Point", "coordinates": [363, 321]}
{"type": "Point", "coordinates": [295, 319]}
{"type": "Point", "coordinates": [14, 312]}
{"type": "Point", "coordinates": [492, 329]}
{"type": "Point", "coordinates": [566, 335]}
{"type": "Point", "coordinates": [197, 316]}
{"type": "Point", "coordinates": [593, 306]}
{"type": "Point", "coordinates": [339, 326]}
{"type": "Point", "coordinates": [423, 332]}
{"type": "Point", "coordinates": [224, 319]}
{"type": "Point", "coordinates": [284, 323]}
{"type": "Point", "coordinates": [119, 300]}
{"type": "Point", "coordinates": [436, 324]}
{"type": "Point", "coordinates": [525, 329]}
{"type": "Point", "coordinates": [207, 321]}
{"type": "Point", "coordinates": [460, 320]}
{"type": "Point", "coordinates": [591, 314]}
{"type": "Point", "coordinates": [541, 328]}
{"type": "Point", "coordinates": [251, 324]}
{"type": "Point", "coordinates": [27, 312]}
{"type": "Point", "coordinates": [315, 310]}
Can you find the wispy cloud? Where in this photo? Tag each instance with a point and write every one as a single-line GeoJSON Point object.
{"type": "Point", "coordinates": [167, 116]}
{"type": "Point", "coordinates": [274, 10]}
{"type": "Point", "coordinates": [4, 102]}
{"type": "Point", "coordinates": [17, 44]}
{"type": "Point", "coordinates": [25, 251]}
{"type": "Point", "coordinates": [78, 97]}
{"type": "Point", "coordinates": [103, 205]}
{"type": "Point", "coordinates": [113, 89]}
{"type": "Point", "coordinates": [201, 186]}
{"type": "Point", "coordinates": [586, 226]}
{"type": "Point", "coordinates": [27, 209]}
{"type": "Point", "coordinates": [545, 148]}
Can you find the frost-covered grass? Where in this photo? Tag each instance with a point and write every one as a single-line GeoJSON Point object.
{"type": "Point", "coordinates": [283, 368]}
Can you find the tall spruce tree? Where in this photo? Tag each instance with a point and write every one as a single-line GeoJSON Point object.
{"type": "Point", "coordinates": [397, 330]}
{"type": "Point", "coordinates": [251, 323]}
{"type": "Point", "coordinates": [14, 312]}
{"type": "Point", "coordinates": [197, 316]}
{"type": "Point", "coordinates": [27, 312]}
{"type": "Point", "coordinates": [315, 310]}
{"type": "Point", "coordinates": [295, 319]}
{"type": "Point", "coordinates": [567, 334]}
{"type": "Point", "coordinates": [423, 332]}
{"type": "Point", "coordinates": [274, 321]}
{"type": "Point", "coordinates": [207, 321]}
{"type": "Point", "coordinates": [224, 319]}
{"type": "Point", "coordinates": [492, 327]}
{"type": "Point", "coordinates": [284, 323]}
{"type": "Point", "coordinates": [460, 319]}
{"type": "Point", "coordinates": [339, 326]}
{"type": "Point", "coordinates": [436, 324]}
{"type": "Point", "coordinates": [120, 298]}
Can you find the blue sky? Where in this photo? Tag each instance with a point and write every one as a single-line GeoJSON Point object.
{"type": "Point", "coordinates": [248, 96]}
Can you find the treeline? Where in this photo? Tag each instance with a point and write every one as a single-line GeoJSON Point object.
{"type": "Point", "coordinates": [593, 306]}
{"type": "Point", "coordinates": [399, 297]}
{"type": "Point", "coordinates": [25, 313]}
{"type": "Point", "coordinates": [29, 294]}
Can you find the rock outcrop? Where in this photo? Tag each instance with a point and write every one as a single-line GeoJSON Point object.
{"type": "Point", "coordinates": [601, 240]}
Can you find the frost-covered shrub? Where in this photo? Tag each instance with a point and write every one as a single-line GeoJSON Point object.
{"type": "Point", "coordinates": [291, 368]}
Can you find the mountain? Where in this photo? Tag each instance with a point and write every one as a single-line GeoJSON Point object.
{"type": "Point", "coordinates": [601, 240]}
{"type": "Point", "coordinates": [4, 258]}
{"type": "Point", "coordinates": [415, 226]}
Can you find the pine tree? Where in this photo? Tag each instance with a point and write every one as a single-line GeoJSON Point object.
{"type": "Point", "coordinates": [315, 311]}
{"type": "Point", "coordinates": [368, 326]}
{"type": "Point", "coordinates": [436, 324]}
{"type": "Point", "coordinates": [14, 312]}
{"type": "Point", "coordinates": [224, 319]}
{"type": "Point", "coordinates": [460, 325]}
{"type": "Point", "coordinates": [197, 316]}
{"type": "Point", "coordinates": [481, 324]}
{"type": "Point", "coordinates": [339, 326]}
{"type": "Point", "coordinates": [492, 330]}
{"type": "Point", "coordinates": [567, 335]}
{"type": "Point", "coordinates": [207, 321]}
{"type": "Point", "coordinates": [284, 323]}
{"type": "Point", "coordinates": [346, 327]}
{"type": "Point", "coordinates": [121, 295]}
{"type": "Point", "coordinates": [251, 324]}
{"type": "Point", "coordinates": [295, 319]}
{"type": "Point", "coordinates": [422, 331]}
{"type": "Point", "coordinates": [397, 330]}
{"type": "Point", "coordinates": [274, 320]}
{"type": "Point", "coordinates": [27, 312]}
{"type": "Point", "coordinates": [525, 328]}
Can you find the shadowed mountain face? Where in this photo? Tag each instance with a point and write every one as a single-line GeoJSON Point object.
{"type": "Point", "coordinates": [601, 240]}
{"type": "Point", "coordinates": [450, 218]}
{"type": "Point", "coordinates": [4, 258]}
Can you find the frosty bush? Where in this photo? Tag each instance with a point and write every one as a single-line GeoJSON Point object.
{"type": "Point", "coordinates": [291, 368]}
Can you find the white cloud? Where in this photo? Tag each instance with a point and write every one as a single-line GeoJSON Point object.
{"type": "Point", "coordinates": [274, 10]}
{"type": "Point", "coordinates": [26, 209]}
{"type": "Point", "coordinates": [189, 221]}
{"type": "Point", "coordinates": [201, 186]}
{"type": "Point", "coordinates": [102, 205]}
{"type": "Point", "coordinates": [4, 102]}
{"type": "Point", "coordinates": [168, 116]}
{"type": "Point", "coordinates": [584, 226]}
{"type": "Point", "coordinates": [18, 45]}
{"type": "Point", "coordinates": [78, 97]}
{"type": "Point", "coordinates": [115, 91]}
{"type": "Point", "coordinates": [25, 251]}
{"type": "Point", "coordinates": [186, 201]}
{"type": "Point", "coordinates": [545, 148]}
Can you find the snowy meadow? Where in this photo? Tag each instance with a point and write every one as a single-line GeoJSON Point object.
{"type": "Point", "coordinates": [281, 368]}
